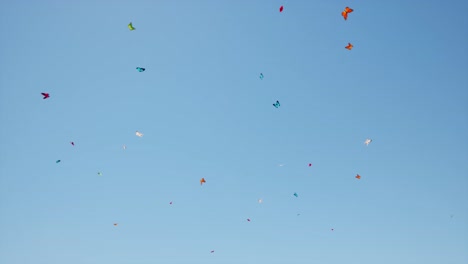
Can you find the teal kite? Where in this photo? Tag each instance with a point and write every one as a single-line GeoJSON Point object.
{"type": "Point", "coordinates": [261, 76]}
{"type": "Point", "coordinates": [57, 161]}
{"type": "Point", "coordinates": [140, 69]}
{"type": "Point", "coordinates": [295, 194]}
{"type": "Point", "coordinates": [277, 104]}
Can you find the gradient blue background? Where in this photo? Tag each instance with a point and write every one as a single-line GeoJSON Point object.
{"type": "Point", "coordinates": [204, 112]}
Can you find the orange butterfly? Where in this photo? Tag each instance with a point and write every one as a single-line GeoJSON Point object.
{"type": "Point", "coordinates": [202, 181]}
{"type": "Point", "coordinates": [358, 177]}
{"type": "Point", "coordinates": [349, 47]}
{"type": "Point", "coordinates": [346, 11]}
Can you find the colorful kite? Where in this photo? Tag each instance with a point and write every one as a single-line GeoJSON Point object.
{"type": "Point", "coordinates": [277, 104]}
{"type": "Point", "coordinates": [130, 26]}
{"type": "Point", "coordinates": [140, 69]}
{"type": "Point", "coordinates": [261, 76]}
{"type": "Point", "coordinates": [295, 194]}
{"type": "Point", "coordinates": [57, 161]}
{"type": "Point", "coordinates": [202, 180]}
{"type": "Point", "coordinates": [346, 11]}
{"type": "Point", "coordinates": [281, 9]}
{"type": "Point", "coordinates": [349, 47]}
{"type": "Point", "coordinates": [138, 134]}
{"type": "Point", "coordinates": [368, 141]}
{"type": "Point", "coordinates": [358, 177]}
{"type": "Point", "coordinates": [46, 95]}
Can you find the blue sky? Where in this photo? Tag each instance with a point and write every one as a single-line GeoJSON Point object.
{"type": "Point", "coordinates": [204, 112]}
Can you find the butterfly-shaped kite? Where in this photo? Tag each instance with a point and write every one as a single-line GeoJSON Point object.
{"type": "Point", "coordinates": [140, 69]}
{"type": "Point", "coordinates": [202, 180]}
{"type": "Point", "coordinates": [349, 47]}
{"type": "Point", "coordinates": [345, 12]}
{"type": "Point", "coordinates": [46, 95]}
{"type": "Point", "coordinates": [130, 26]}
{"type": "Point", "coordinates": [277, 104]}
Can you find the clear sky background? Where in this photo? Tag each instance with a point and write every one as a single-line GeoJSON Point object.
{"type": "Point", "coordinates": [204, 112]}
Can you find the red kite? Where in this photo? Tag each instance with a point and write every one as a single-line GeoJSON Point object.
{"type": "Point", "coordinates": [281, 9]}
{"type": "Point", "coordinates": [358, 177]}
{"type": "Point", "coordinates": [202, 180]}
{"type": "Point", "coordinates": [345, 12]}
{"type": "Point", "coordinates": [349, 47]}
{"type": "Point", "coordinates": [46, 95]}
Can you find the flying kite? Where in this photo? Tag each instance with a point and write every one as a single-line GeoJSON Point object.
{"type": "Point", "coordinates": [277, 104]}
{"type": "Point", "coordinates": [349, 47]}
{"type": "Point", "coordinates": [138, 134]}
{"type": "Point", "coordinates": [202, 180]}
{"type": "Point", "coordinates": [99, 173]}
{"type": "Point", "coordinates": [170, 202]}
{"type": "Point", "coordinates": [140, 69]}
{"type": "Point", "coordinates": [130, 26]}
{"type": "Point", "coordinates": [310, 164]}
{"type": "Point", "coordinates": [261, 76]}
{"type": "Point", "coordinates": [260, 201]}
{"type": "Point", "coordinates": [57, 161]}
{"type": "Point", "coordinates": [332, 229]}
{"type": "Point", "coordinates": [367, 141]}
{"type": "Point", "coordinates": [212, 251]}
{"type": "Point", "coordinates": [46, 95]}
{"type": "Point", "coordinates": [345, 12]}
{"type": "Point", "coordinates": [124, 147]}
{"type": "Point", "coordinates": [73, 143]}
{"type": "Point", "coordinates": [281, 9]}
{"type": "Point", "coordinates": [248, 219]}
{"type": "Point", "coordinates": [115, 224]}
{"type": "Point", "coordinates": [358, 177]}
{"type": "Point", "coordinates": [295, 194]}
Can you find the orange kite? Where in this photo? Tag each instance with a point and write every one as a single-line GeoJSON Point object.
{"type": "Point", "coordinates": [358, 177]}
{"type": "Point", "coordinates": [345, 12]}
{"type": "Point", "coordinates": [349, 47]}
{"type": "Point", "coordinates": [202, 181]}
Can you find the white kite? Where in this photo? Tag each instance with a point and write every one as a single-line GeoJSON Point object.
{"type": "Point", "coordinates": [367, 141]}
{"type": "Point", "coordinates": [138, 134]}
{"type": "Point", "coordinates": [124, 147]}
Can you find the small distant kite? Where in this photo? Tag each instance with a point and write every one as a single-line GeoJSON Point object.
{"type": "Point", "coordinates": [358, 177]}
{"type": "Point", "coordinates": [248, 219]}
{"type": "Point", "coordinates": [277, 104]}
{"type": "Point", "coordinates": [73, 143]}
{"type": "Point", "coordinates": [261, 76]}
{"type": "Point", "coordinates": [115, 224]}
{"type": "Point", "coordinates": [140, 69]}
{"type": "Point", "coordinates": [295, 194]}
{"type": "Point", "coordinates": [130, 26]}
{"type": "Point", "coordinates": [170, 202]}
{"type": "Point", "coordinates": [138, 134]}
{"type": "Point", "coordinates": [281, 9]}
{"type": "Point", "coordinates": [212, 251]}
{"type": "Point", "coordinates": [310, 164]}
{"type": "Point", "coordinates": [368, 141]}
{"type": "Point", "coordinates": [332, 229]}
{"type": "Point", "coordinates": [202, 180]}
{"type": "Point", "coordinates": [99, 173]}
{"type": "Point", "coordinates": [57, 161]}
{"type": "Point", "coordinates": [124, 147]}
{"type": "Point", "coordinates": [349, 47]}
{"type": "Point", "coordinates": [345, 12]}
{"type": "Point", "coordinates": [260, 201]}
{"type": "Point", "coordinates": [46, 95]}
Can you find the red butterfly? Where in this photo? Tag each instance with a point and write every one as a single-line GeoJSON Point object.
{"type": "Point", "coordinates": [345, 12]}
{"type": "Point", "coordinates": [46, 95]}
{"type": "Point", "coordinates": [281, 9]}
